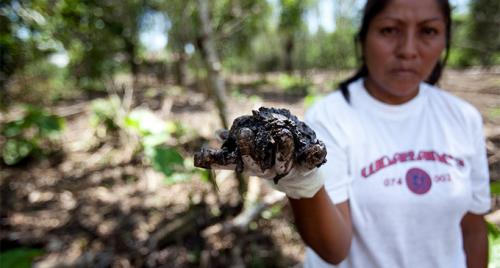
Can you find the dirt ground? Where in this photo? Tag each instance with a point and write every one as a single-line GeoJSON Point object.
{"type": "Point", "coordinates": [96, 204]}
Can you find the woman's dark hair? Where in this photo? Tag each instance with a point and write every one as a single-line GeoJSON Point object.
{"type": "Point", "coordinates": [372, 9]}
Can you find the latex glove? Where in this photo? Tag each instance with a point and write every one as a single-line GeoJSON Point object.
{"type": "Point", "coordinates": [299, 185]}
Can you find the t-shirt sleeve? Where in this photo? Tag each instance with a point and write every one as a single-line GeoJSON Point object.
{"type": "Point", "coordinates": [336, 169]}
{"type": "Point", "coordinates": [480, 182]}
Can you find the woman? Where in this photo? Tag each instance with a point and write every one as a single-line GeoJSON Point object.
{"type": "Point", "coordinates": [406, 182]}
{"type": "Point", "coordinates": [406, 179]}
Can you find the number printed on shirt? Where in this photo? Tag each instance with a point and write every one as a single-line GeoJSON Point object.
{"type": "Point", "coordinates": [393, 182]}
{"type": "Point", "coordinates": [442, 178]}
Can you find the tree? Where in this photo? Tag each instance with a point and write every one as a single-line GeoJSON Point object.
{"type": "Point", "coordinates": [96, 35]}
{"type": "Point", "coordinates": [290, 24]}
{"type": "Point", "coordinates": [238, 24]}
{"type": "Point", "coordinates": [485, 30]}
{"type": "Point", "coordinates": [126, 29]}
{"type": "Point", "coordinates": [23, 39]}
{"type": "Point", "coordinates": [182, 32]}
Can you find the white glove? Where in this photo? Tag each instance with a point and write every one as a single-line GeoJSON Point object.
{"type": "Point", "coordinates": [297, 186]}
{"type": "Point", "coordinates": [293, 173]}
{"type": "Point", "coordinates": [296, 181]}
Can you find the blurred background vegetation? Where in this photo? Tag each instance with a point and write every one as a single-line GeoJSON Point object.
{"type": "Point", "coordinates": [103, 103]}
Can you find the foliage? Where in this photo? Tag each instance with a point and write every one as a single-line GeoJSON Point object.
{"type": "Point", "coordinates": [28, 135]}
{"type": "Point", "coordinates": [291, 14]}
{"type": "Point", "coordinates": [104, 115]}
{"type": "Point", "coordinates": [494, 112]}
{"type": "Point", "coordinates": [310, 99]}
{"type": "Point", "coordinates": [290, 27]}
{"type": "Point", "coordinates": [92, 33]}
{"type": "Point", "coordinates": [494, 245]}
{"type": "Point", "coordinates": [293, 85]}
{"type": "Point", "coordinates": [238, 22]}
{"type": "Point", "coordinates": [19, 257]}
{"type": "Point", "coordinates": [460, 54]}
{"type": "Point", "coordinates": [485, 30]}
{"type": "Point", "coordinates": [236, 94]}
{"type": "Point", "coordinates": [476, 36]}
{"type": "Point", "coordinates": [41, 82]}
{"type": "Point", "coordinates": [25, 45]}
{"type": "Point", "coordinates": [168, 161]}
{"type": "Point", "coordinates": [495, 188]}
{"type": "Point", "coordinates": [266, 52]}
{"type": "Point", "coordinates": [154, 133]}
{"type": "Point", "coordinates": [23, 36]}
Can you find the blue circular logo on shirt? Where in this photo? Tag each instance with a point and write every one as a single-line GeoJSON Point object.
{"type": "Point", "coordinates": [418, 181]}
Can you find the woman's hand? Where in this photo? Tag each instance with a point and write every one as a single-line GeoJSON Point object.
{"type": "Point", "coordinates": [274, 145]}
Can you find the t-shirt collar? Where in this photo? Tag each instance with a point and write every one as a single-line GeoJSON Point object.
{"type": "Point", "coordinates": [362, 99]}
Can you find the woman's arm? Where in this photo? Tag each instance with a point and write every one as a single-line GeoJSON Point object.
{"type": "Point", "coordinates": [324, 226]}
{"type": "Point", "coordinates": [475, 236]}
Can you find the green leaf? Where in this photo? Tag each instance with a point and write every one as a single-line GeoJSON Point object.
{"type": "Point", "coordinates": [50, 125]}
{"type": "Point", "coordinates": [47, 124]}
{"type": "Point", "coordinates": [310, 99]}
{"type": "Point", "coordinates": [493, 230]}
{"type": "Point", "coordinates": [204, 174]}
{"type": "Point", "coordinates": [105, 111]}
{"type": "Point", "coordinates": [15, 150]}
{"type": "Point", "coordinates": [19, 257]}
{"type": "Point", "coordinates": [177, 177]}
{"type": "Point", "coordinates": [154, 139]}
{"type": "Point", "coordinates": [131, 123]}
{"type": "Point", "coordinates": [495, 112]}
{"type": "Point", "coordinates": [495, 188]}
{"type": "Point", "coordinates": [12, 129]}
{"type": "Point", "coordinates": [209, 177]}
{"type": "Point", "coordinates": [164, 159]}
{"type": "Point", "coordinates": [494, 244]}
{"type": "Point", "coordinates": [145, 123]}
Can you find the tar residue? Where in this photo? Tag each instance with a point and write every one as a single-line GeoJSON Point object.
{"type": "Point", "coordinates": [270, 129]}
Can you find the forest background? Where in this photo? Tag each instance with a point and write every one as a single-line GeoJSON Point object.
{"type": "Point", "coordinates": [104, 102]}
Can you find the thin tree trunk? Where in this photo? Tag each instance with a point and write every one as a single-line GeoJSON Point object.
{"type": "Point", "coordinates": [289, 46]}
{"type": "Point", "coordinates": [131, 51]}
{"type": "Point", "coordinates": [214, 67]}
{"type": "Point", "coordinates": [212, 62]}
{"type": "Point", "coordinates": [180, 68]}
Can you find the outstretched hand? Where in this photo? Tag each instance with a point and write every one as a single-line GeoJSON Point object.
{"type": "Point", "coordinates": [271, 144]}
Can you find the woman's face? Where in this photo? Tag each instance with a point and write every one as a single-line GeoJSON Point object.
{"type": "Point", "coordinates": [402, 46]}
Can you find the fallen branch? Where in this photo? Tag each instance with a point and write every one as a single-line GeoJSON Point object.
{"type": "Point", "coordinates": [71, 110]}
{"type": "Point", "coordinates": [176, 229]}
{"type": "Point", "coordinates": [239, 224]}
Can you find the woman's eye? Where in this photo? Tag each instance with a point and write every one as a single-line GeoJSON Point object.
{"type": "Point", "coordinates": [389, 31]}
{"type": "Point", "coordinates": [429, 31]}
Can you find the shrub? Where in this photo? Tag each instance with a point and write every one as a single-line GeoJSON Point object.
{"type": "Point", "coordinates": [104, 115]}
{"type": "Point", "coordinates": [154, 133]}
{"type": "Point", "coordinates": [32, 134]}
{"type": "Point", "coordinates": [293, 85]}
{"type": "Point", "coordinates": [19, 257]}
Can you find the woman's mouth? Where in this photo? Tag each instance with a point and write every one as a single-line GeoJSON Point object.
{"type": "Point", "coordinates": [404, 72]}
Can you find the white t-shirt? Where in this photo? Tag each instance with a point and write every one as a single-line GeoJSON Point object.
{"type": "Point", "coordinates": [410, 173]}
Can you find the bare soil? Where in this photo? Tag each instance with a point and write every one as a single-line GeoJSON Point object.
{"type": "Point", "coordinates": [97, 204]}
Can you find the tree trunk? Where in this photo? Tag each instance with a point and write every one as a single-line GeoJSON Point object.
{"type": "Point", "coordinates": [212, 63]}
{"type": "Point", "coordinates": [180, 68]}
{"type": "Point", "coordinates": [214, 67]}
{"type": "Point", "coordinates": [131, 50]}
{"type": "Point", "coordinates": [289, 46]}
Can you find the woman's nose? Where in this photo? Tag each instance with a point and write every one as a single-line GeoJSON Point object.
{"type": "Point", "coordinates": [407, 47]}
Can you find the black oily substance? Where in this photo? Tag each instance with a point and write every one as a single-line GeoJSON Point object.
{"type": "Point", "coordinates": [267, 125]}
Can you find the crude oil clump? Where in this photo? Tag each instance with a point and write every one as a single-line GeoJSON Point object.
{"type": "Point", "coordinates": [273, 138]}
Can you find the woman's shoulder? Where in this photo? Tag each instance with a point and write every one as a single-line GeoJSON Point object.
{"type": "Point", "coordinates": [330, 106]}
{"type": "Point", "coordinates": [454, 105]}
